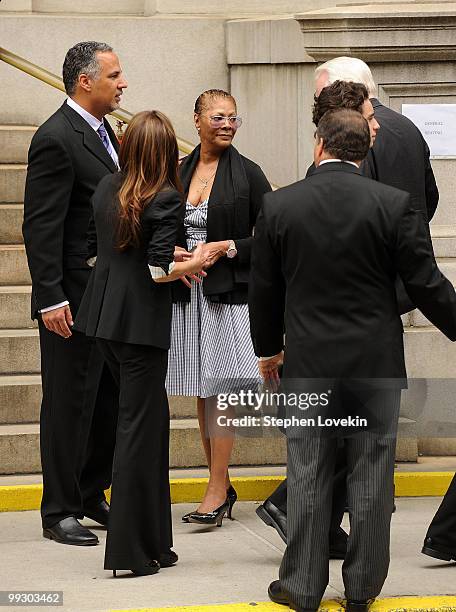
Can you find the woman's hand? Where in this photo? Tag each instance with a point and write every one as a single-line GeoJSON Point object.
{"type": "Point", "coordinates": [215, 250]}
{"type": "Point", "coordinates": [199, 259]}
{"type": "Point", "coordinates": [180, 254]}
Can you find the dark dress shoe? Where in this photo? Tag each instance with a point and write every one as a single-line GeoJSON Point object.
{"type": "Point", "coordinates": [431, 549]}
{"type": "Point", "coordinates": [98, 513]}
{"type": "Point", "coordinates": [273, 517]}
{"type": "Point", "coordinates": [70, 531]}
{"type": "Point", "coordinates": [358, 606]}
{"type": "Point", "coordinates": [278, 596]}
{"type": "Point", "coordinates": [168, 558]}
{"type": "Point", "coordinates": [338, 544]}
{"type": "Point", "coordinates": [153, 567]}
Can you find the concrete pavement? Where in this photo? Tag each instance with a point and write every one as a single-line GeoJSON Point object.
{"type": "Point", "coordinates": [227, 565]}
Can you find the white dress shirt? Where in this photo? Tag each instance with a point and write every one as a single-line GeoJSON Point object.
{"type": "Point", "coordinates": [95, 124]}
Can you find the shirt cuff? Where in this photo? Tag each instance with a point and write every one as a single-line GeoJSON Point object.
{"type": "Point", "coordinates": [158, 272]}
{"type": "Point", "coordinates": [266, 358]}
{"type": "Point", "coordinates": [49, 308]}
{"type": "Point", "coordinates": [91, 261]}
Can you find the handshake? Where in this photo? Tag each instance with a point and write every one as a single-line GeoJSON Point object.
{"type": "Point", "coordinates": [202, 257]}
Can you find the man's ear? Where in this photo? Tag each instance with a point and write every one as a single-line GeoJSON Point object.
{"type": "Point", "coordinates": [318, 151]}
{"type": "Point", "coordinates": [85, 82]}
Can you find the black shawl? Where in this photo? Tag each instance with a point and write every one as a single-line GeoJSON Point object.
{"type": "Point", "coordinates": [231, 216]}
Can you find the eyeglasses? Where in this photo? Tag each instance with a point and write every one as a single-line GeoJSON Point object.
{"type": "Point", "coordinates": [218, 121]}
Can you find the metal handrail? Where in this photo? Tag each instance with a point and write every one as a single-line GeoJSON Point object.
{"type": "Point", "coordinates": [122, 115]}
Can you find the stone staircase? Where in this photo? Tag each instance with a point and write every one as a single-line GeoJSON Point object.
{"type": "Point", "coordinates": [429, 354]}
{"type": "Point", "coordinates": [20, 384]}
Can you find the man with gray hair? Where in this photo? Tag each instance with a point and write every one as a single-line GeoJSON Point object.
{"type": "Point", "coordinates": [69, 154]}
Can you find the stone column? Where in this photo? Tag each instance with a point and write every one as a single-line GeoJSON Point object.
{"type": "Point", "coordinates": [411, 49]}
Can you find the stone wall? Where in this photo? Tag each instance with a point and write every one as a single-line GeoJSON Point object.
{"type": "Point", "coordinates": [167, 62]}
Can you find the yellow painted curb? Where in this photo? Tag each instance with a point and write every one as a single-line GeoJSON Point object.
{"type": "Point", "coordinates": [249, 488]}
{"type": "Point", "coordinates": [422, 484]}
{"type": "Point", "coordinates": [391, 604]}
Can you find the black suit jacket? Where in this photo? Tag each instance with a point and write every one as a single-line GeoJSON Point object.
{"type": "Point", "coordinates": [325, 255]}
{"type": "Point", "coordinates": [66, 162]}
{"type": "Point", "coordinates": [122, 301]}
{"type": "Point", "coordinates": [400, 158]}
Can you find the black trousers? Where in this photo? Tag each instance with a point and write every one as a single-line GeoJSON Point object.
{"type": "Point", "coordinates": [140, 516]}
{"type": "Point", "coordinates": [77, 425]}
{"type": "Point", "coordinates": [443, 527]}
{"type": "Point", "coordinates": [339, 498]}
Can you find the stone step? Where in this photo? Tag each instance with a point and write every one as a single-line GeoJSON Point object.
{"type": "Point", "coordinates": [12, 182]}
{"type": "Point", "coordinates": [15, 142]}
{"type": "Point", "coordinates": [444, 240]}
{"type": "Point", "coordinates": [429, 354]}
{"type": "Point", "coordinates": [20, 399]}
{"type": "Point", "coordinates": [11, 216]}
{"type": "Point", "coordinates": [20, 449]}
{"type": "Point", "coordinates": [13, 265]}
{"type": "Point", "coordinates": [19, 351]}
{"type": "Point", "coordinates": [15, 307]}
{"type": "Point", "coordinates": [447, 266]}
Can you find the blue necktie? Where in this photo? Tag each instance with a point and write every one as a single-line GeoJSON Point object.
{"type": "Point", "coordinates": [103, 134]}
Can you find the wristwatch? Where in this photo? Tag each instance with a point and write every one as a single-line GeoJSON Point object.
{"type": "Point", "coordinates": [232, 250]}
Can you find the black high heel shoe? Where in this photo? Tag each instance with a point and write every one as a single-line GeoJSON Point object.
{"type": "Point", "coordinates": [210, 518]}
{"type": "Point", "coordinates": [231, 497]}
{"type": "Point", "coordinates": [148, 570]}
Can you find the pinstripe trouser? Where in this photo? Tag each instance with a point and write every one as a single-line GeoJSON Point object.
{"type": "Point", "coordinates": [304, 572]}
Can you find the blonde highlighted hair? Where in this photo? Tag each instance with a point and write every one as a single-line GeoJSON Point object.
{"type": "Point", "coordinates": [148, 159]}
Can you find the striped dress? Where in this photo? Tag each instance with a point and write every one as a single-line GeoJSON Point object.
{"type": "Point", "coordinates": [211, 350]}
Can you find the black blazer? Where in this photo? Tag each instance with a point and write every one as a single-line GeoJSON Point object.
{"type": "Point", "coordinates": [325, 255]}
{"type": "Point", "coordinates": [230, 215]}
{"type": "Point", "coordinates": [122, 301]}
{"type": "Point", "coordinates": [400, 158]}
{"type": "Point", "coordinates": [66, 162]}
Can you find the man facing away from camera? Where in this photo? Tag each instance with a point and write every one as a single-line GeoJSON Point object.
{"type": "Point", "coordinates": [325, 256]}
{"type": "Point", "coordinates": [69, 154]}
{"type": "Point", "coordinates": [400, 157]}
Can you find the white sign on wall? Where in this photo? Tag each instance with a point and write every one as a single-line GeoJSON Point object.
{"type": "Point", "coordinates": [437, 123]}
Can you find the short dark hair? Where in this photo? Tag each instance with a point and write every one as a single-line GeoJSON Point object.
{"type": "Point", "coordinates": [345, 134]}
{"type": "Point", "coordinates": [341, 94]}
{"type": "Point", "coordinates": [82, 59]}
{"type": "Point", "coordinates": [204, 99]}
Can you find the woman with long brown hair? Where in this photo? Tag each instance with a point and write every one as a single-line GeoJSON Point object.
{"type": "Point", "coordinates": [127, 308]}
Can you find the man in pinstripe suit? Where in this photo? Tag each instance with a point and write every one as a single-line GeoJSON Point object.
{"type": "Point", "coordinates": [325, 256]}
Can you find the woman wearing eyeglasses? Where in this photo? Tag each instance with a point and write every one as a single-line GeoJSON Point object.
{"type": "Point", "coordinates": [211, 349]}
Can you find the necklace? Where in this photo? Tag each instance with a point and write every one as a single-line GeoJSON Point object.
{"type": "Point", "coordinates": [205, 182]}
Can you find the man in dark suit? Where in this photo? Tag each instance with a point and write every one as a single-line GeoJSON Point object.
{"type": "Point", "coordinates": [325, 255]}
{"type": "Point", "coordinates": [68, 156]}
{"type": "Point", "coordinates": [273, 511]}
{"type": "Point", "coordinates": [399, 157]}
